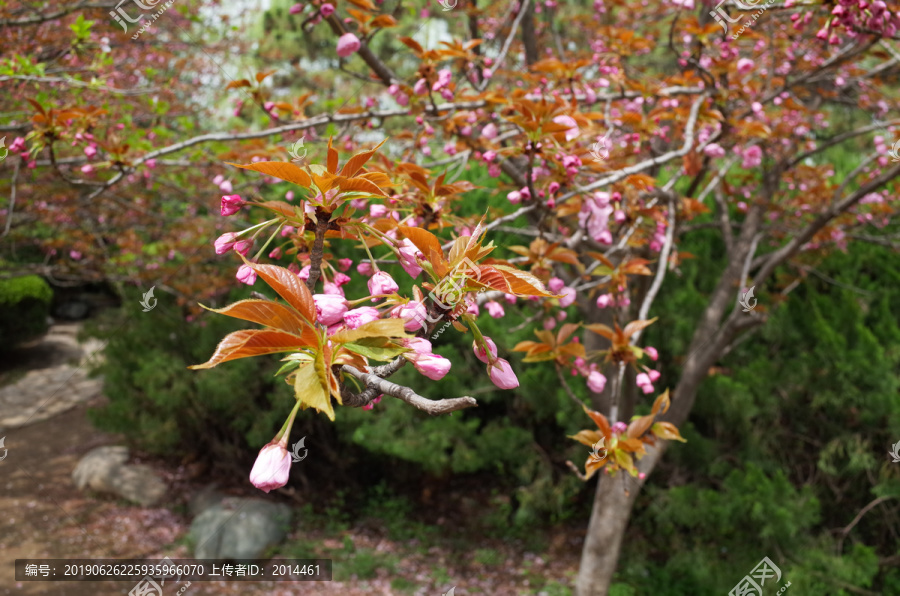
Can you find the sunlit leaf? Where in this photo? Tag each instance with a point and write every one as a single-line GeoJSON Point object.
{"type": "Point", "coordinates": [283, 170]}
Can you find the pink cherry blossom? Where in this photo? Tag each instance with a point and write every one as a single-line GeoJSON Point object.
{"type": "Point", "coordinates": [495, 309]}
{"type": "Point", "coordinates": [596, 381]}
{"type": "Point", "coordinates": [360, 316]}
{"type": "Point", "coordinates": [382, 283]}
{"type": "Point", "coordinates": [555, 285]}
{"type": "Point", "coordinates": [651, 352]}
{"type": "Point", "coordinates": [431, 365]}
{"type": "Point", "coordinates": [489, 131]}
{"type": "Point", "coordinates": [225, 242]}
{"type": "Point", "coordinates": [372, 403]}
{"type": "Point", "coordinates": [568, 298]}
{"type": "Point", "coordinates": [413, 312]}
{"type": "Point", "coordinates": [408, 253]}
{"type": "Point", "coordinates": [573, 131]}
{"type": "Point", "coordinates": [330, 308]}
{"type": "Point", "coordinates": [327, 10]}
{"type": "Point", "coordinates": [272, 467]}
{"type": "Point", "coordinates": [480, 352]}
{"type": "Point", "coordinates": [502, 374]}
{"type": "Point", "coordinates": [347, 44]}
{"type": "Point", "coordinates": [246, 275]}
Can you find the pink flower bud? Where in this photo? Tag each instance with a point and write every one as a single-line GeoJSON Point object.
{"type": "Point", "coordinates": [619, 427]}
{"type": "Point", "coordinates": [480, 352]}
{"type": "Point", "coordinates": [332, 288]}
{"type": "Point", "coordinates": [327, 10]}
{"type": "Point", "coordinates": [345, 264]}
{"type": "Point", "coordinates": [651, 352]}
{"type": "Point", "coordinates": [246, 275]}
{"type": "Point", "coordinates": [276, 253]}
{"type": "Point", "coordinates": [225, 242]}
{"type": "Point", "coordinates": [568, 297]}
{"type": "Point", "coordinates": [555, 285]}
{"type": "Point", "coordinates": [296, 9]}
{"type": "Point", "coordinates": [653, 375]}
{"type": "Point", "coordinates": [382, 283]}
{"type": "Point", "coordinates": [231, 204]}
{"type": "Point", "coordinates": [417, 345]}
{"type": "Point", "coordinates": [431, 365]}
{"type": "Point", "coordinates": [408, 253]}
{"type": "Point", "coordinates": [242, 247]}
{"type": "Point", "coordinates": [642, 379]}
{"type": "Point", "coordinates": [330, 308]}
{"type": "Point", "coordinates": [515, 197]}
{"type": "Point", "coordinates": [421, 87]}
{"type": "Point", "coordinates": [272, 467]}
{"type": "Point", "coordinates": [489, 131]}
{"type": "Point", "coordinates": [502, 375]}
{"type": "Point", "coordinates": [347, 44]}
{"type": "Point", "coordinates": [596, 381]}
{"type": "Point", "coordinates": [365, 268]}
{"type": "Point", "coordinates": [553, 187]}
{"type": "Point", "coordinates": [360, 316]}
{"type": "Point", "coordinates": [495, 309]}
{"type": "Point", "coordinates": [90, 151]}
{"type": "Point", "coordinates": [372, 403]}
{"type": "Point", "coordinates": [413, 312]}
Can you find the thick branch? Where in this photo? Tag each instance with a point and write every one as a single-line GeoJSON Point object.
{"type": "Point", "coordinates": [444, 406]}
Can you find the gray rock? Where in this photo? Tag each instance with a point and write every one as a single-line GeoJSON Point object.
{"type": "Point", "coordinates": [203, 500]}
{"type": "Point", "coordinates": [239, 528]}
{"type": "Point", "coordinates": [139, 484]}
{"type": "Point", "coordinates": [98, 467]}
{"type": "Point", "coordinates": [104, 470]}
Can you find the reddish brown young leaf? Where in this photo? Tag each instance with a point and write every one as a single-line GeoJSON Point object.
{"type": "Point", "coordinates": [601, 329]}
{"type": "Point", "coordinates": [289, 286]}
{"type": "Point", "coordinates": [661, 405]}
{"type": "Point", "coordinates": [356, 163]}
{"type": "Point", "coordinates": [668, 431]}
{"type": "Point", "coordinates": [430, 246]}
{"type": "Point", "coordinates": [332, 162]}
{"type": "Point", "coordinates": [635, 326]}
{"type": "Point", "coordinates": [360, 185]}
{"type": "Point", "coordinates": [283, 170]}
{"type": "Point", "coordinates": [271, 314]}
{"type": "Point", "coordinates": [600, 420]}
{"type": "Point", "coordinates": [251, 342]}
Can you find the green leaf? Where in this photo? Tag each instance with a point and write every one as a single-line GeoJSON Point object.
{"type": "Point", "coordinates": [384, 353]}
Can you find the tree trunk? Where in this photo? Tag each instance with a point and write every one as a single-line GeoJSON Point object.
{"type": "Point", "coordinates": [611, 511]}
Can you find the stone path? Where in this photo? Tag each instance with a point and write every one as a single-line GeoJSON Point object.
{"type": "Point", "coordinates": [58, 379]}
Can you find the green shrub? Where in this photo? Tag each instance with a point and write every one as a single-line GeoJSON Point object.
{"type": "Point", "coordinates": [24, 307]}
{"type": "Point", "coordinates": [221, 415]}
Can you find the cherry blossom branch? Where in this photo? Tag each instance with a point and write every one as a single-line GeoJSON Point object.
{"type": "Point", "coordinates": [443, 406]}
{"type": "Point", "coordinates": [565, 385]}
{"type": "Point", "coordinates": [646, 164]}
{"type": "Point", "coordinates": [770, 261]}
{"type": "Point", "coordinates": [498, 63]}
{"type": "Point", "coordinates": [76, 83]}
{"type": "Point", "coordinates": [53, 15]}
{"type": "Point", "coordinates": [663, 265]}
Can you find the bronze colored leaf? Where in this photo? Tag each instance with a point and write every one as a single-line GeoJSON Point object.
{"type": "Point", "coordinates": [251, 342]}
{"type": "Point", "coordinates": [283, 170]}
{"type": "Point", "coordinates": [271, 314]}
{"type": "Point", "coordinates": [289, 286]}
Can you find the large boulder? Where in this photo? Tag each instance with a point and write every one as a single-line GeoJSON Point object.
{"type": "Point", "coordinates": [104, 470]}
{"type": "Point", "coordinates": [238, 528]}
